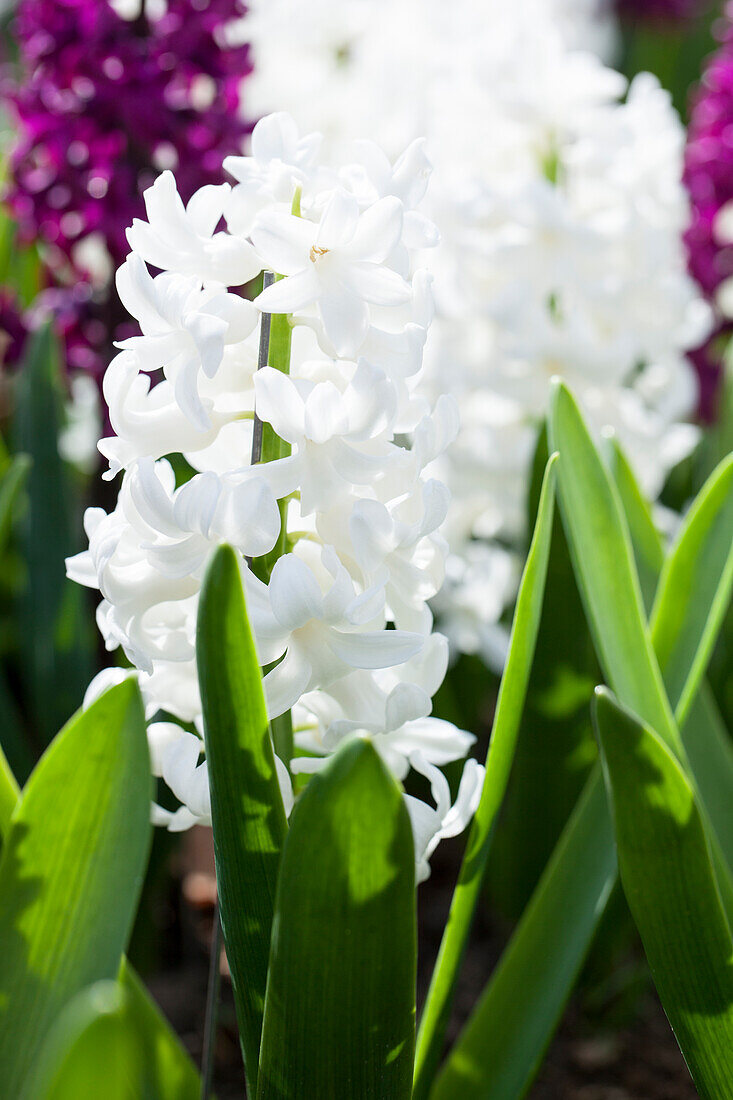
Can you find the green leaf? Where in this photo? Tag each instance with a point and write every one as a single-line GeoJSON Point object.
{"type": "Point", "coordinates": [340, 1008]}
{"type": "Point", "coordinates": [670, 886]}
{"type": "Point", "coordinates": [246, 805]}
{"type": "Point", "coordinates": [71, 871]}
{"type": "Point", "coordinates": [498, 766]}
{"type": "Point", "coordinates": [9, 794]}
{"type": "Point", "coordinates": [167, 1063]}
{"type": "Point", "coordinates": [57, 663]}
{"type": "Point", "coordinates": [555, 746]}
{"type": "Point", "coordinates": [704, 737]}
{"type": "Point", "coordinates": [92, 1050]}
{"type": "Point", "coordinates": [694, 589]}
{"type": "Point", "coordinates": [710, 752]}
{"type": "Point", "coordinates": [501, 1047]}
{"type": "Point", "coordinates": [645, 538]}
{"type": "Point", "coordinates": [105, 1044]}
{"type": "Point", "coordinates": [12, 482]}
{"type": "Point", "coordinates": [503, 1069]}
{"type": "Point", "coordinates": [602, 554]}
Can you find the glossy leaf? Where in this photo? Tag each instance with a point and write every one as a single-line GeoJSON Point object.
{"type": "Point", "coordinates": [246, 805]}
{"type": "Point", "coordinates": [498, 766]}
{"type": "Point", "coordinates": [670, 886]}
{"type": "Point", "coordinates": [501, 1046]}
{"type": "Point", "coordinates": [602, 554]}
{"type": "Point", "coordinates": [104, 1045]}
{"type": "Point", "coordinates": [504, 1069]}
{"type": "Point", "coordinates": [694, 589]}
{"type": "Point", "coordinates": [71, 871]}
{"type": "Point", "coordinates": [9, 794]}
{"type": "Point", "coordinates": [555, 746]}
{"type": "Point", "coordinates": [705, 739]}
{"type": "Point", "coordinates": [57, 635]}
{"type": "Point", "coordinates": [645, 538]}
{"type": "Point", "coordinates": [340, 1008]}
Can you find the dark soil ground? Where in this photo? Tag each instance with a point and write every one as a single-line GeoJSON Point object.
{"type": "Point", "coordinates": [596, 1055]}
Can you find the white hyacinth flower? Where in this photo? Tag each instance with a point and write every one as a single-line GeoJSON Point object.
{"type": "Point", "coordinates": [558, 192]}
{"type": "Point", "coordinates": [339, 610]}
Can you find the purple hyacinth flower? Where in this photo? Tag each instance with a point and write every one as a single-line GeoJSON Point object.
{"type": "Point", "coordinates": [104, 103]}
{"type": "Point", "coordinates": [709, 180]}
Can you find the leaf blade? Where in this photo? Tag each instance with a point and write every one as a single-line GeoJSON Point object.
{"type": "Point", "coordinates": [694, 589]}
{"type": "Point", "coordinates": [600, 546]}
{"type": "Point", "coordinates": [246, 805]}
{"type": "Point", "coordinates": [502, 744]}
{"type": "Point", "coordinates": [70, 872]}
{"type": "Point", "coordinates": [670, 886]}
{"type": "Point", "coordinates": [341, 990]}
{"type": "Point", "coordinates": [501, 1046]}
{"type": "Point", "coordinates": [108, 1041]}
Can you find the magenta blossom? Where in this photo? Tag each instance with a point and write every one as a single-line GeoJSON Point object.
{"type": "Point", "coordinates": [660, 11]}
{"type": "Point", "coordinates": [709, 180]}
{"type": "Point", "coordinates": [105, 104]}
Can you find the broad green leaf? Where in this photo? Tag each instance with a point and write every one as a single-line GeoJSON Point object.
{"type": "Point", "coordinates": [92, 1050]}
{"type": "Point", "coordinates": [598, 534]}
{"type": "Point", "coordinates": [502, 1045]}
{"type": "Point", "coordinates": [710, 752]}
{"type": "Point", "coordinates": [555, 746]}
{"type": "Point", "coordinates": [670, 886]}
{"type": "Point", "coordinates": [600, 546]}
{"type": "Point", "coordinates": [71, 871]}
{"type": "Point", "coordinates": [105, 1044]}
{"type": "Point", "coordinates": [340, 1008]}
{"type": "Point", "coordinates": [246, 805]}
{"type": "Point", "coordinates": [498, 766]}
{"type": "Point", "coordinates": [707, 745]}
{"type": "Point", "coordinates": [178, 1077]}
{"type": "Point", "coordinates": [694, 589]}
{"type": "Point", "coordinates": [167, 1063]}
{"type": "Point", "coordinates": [9, 794]}
{"type": "Point", "coordinates": [645, 538]}
{"type": "Point", "coordinates": [56, 629]}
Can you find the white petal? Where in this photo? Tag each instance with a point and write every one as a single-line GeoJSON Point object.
{"type": "Point", "coordinates": [286, 682]}
{"type": "Point", "coordinates": [290, 294]}
{"type": "Point", "coordinates": [380, 228]}
{"type": "Point", "coordinates": [374, 648]}
{"type": "Point", "coordinates": [345, 319]}
{"type": "Point", "coordinates": [278, 402]}
{"type": "Point", "coordinates": [339, 221]}
{"type": "Point", "coordinates": [283, 241]}
{"type": "Point", "coordinates": [377, 284]}
{"type": "Point", "coordinates": [206, 206]}
{"type": "Point", "coordinates": [295, 595]}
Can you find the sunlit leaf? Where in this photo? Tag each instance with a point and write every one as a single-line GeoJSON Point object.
{"type": "Point", "coordinates": [671, 889]}
{"type": "Point", "coordinates": [246, 804]}
{"type": "Point", "coordinates": [498, 766]}
{"type": "Point", "coordinates": [340, 1008]}
{"type": "Point", "coordinates": [71, 871]}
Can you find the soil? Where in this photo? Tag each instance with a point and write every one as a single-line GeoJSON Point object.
{"type": "Point", "coordinates": [593, 1056]}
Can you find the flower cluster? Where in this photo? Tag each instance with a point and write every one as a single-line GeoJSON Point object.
{"type": "Point", "coordinates": [559, 197]}
{"type": "Point", "coordinates": [341, 618]}
{"type": "Point", "coordinates": [113, 91]}
{"type": "Point", "coordinates": [661, 11]}
{"type": "Point", "coordinates": [709, 180]}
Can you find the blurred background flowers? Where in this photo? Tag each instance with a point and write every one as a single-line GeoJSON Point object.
{"type": "Point", "coordinates": [583, 188]}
